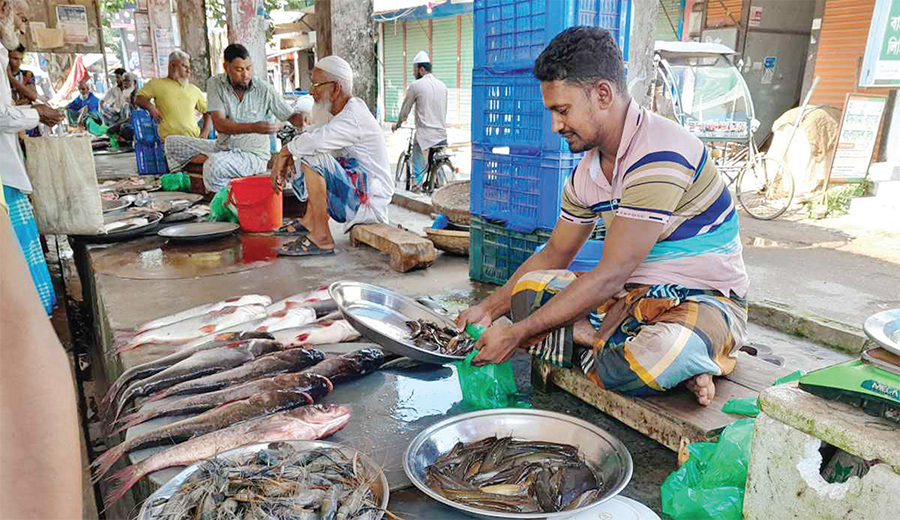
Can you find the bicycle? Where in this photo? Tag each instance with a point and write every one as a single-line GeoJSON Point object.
{"type": "Point", "coordinates": [763, 185]}
{"type": "Point", "coordinates": [438, 172]}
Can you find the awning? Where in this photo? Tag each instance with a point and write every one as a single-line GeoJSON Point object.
{"type": "Point", "coordinates": [692, 48]}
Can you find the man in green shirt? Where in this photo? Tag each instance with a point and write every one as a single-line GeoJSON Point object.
{"type": "Point", "coordinates": [243, 110]}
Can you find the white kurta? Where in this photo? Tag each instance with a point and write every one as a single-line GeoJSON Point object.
{"type": "Point", "coordinates": [116, 98]}
{"type": "Point", "coordinates": [354, 133]}
{"type": "Point", "coordinates": [429, 95]}
{"type": "Point", "coordinates": [13, 119]}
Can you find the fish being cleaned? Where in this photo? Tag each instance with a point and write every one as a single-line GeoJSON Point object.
{"type": "Point", "coordinates": [322, 332]}
{"type": "Point", "coordinates": [194, 328]}
{"type": "Point", "coordinates": [291, 360]}
{"type": "Point", "coordinates": [314, 385]}
{"type": "Point", "coordinates": [215, 419]}
{"type": "Point", "coordinates": [198, 365]}
{"type": "Point", "coordinates": [305, 423]}
{"type": "Point", "coordinates": [284, 319]}
{"type": "Point", "coordinates": [237, 301]}
{"type": "Point", "coordinates": [349, 366]}
{"type": "Point", "coordinates": [158, 365]}
{"type": "Point", "coordinates": [304, 299]}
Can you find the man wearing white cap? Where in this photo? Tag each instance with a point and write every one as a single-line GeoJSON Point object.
{"type": "Point", "coordinates": [429, 94]}
{"type": "Point", "coordinates": [243, 111]}
{"type": "Point", "coordinates": [341, 168]}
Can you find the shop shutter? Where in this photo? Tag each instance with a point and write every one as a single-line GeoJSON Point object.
{"type": "Point", "coordinates": [393, 69]}
{"type": "Point", "coordinates": [466, 64]}
{"type": "Point", "coordinates": [842, 44]}
{"type": "Point", "coordinates": [443, 45]}
{"type": "Point", "coordinates": [717, 12]}
{"type": "Point", "coordinates": [664, 23]}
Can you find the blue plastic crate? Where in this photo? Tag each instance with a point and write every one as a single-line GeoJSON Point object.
{"type": "Point", "coordinates": [508, 110]}
{"type": "Point", "coordinates": [145, 130]}
{"type": "Point", "coordinates": [151, 159]}
{"type": "Point", "coordinates": [510, 34]}
{"type": "Point", "coordinates": [523, 191]}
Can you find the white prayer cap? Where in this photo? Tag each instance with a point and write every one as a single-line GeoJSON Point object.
{"type": "Point", "coordinates": [422, 57]}
{"type": "Point", "coordinates": [338, 68]}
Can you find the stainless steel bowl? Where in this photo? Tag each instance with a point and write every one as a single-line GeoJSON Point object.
{"type": "Point", "coordinates": [605, 454]}
{"type": "Point", "coordinates": [153, 505]}
{"type": "Point", "coordinates": [380, 315]}
{"type": "Point", "coordinates": [884, 329]}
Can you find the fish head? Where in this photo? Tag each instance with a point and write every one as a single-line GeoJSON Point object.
{"type": "Point", "coordinates": [325, 419]}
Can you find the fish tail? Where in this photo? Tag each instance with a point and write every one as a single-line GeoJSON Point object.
{"type": "Point", "coordinates": [129, 421]}
{"type": "Point", "coordinates": [162, 394]}
{"type": "Point", "coordinates": [124, 480]}
{"type": "Point", "coordinates": [105, 461]}
{"type": "Point", "coordinates": [121, 349]}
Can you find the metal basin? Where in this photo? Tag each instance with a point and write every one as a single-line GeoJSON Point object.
{"type": "Point", "coordinates": [380, 315]}
{"type": "Point", "coordinates": [884, 329]}
{"type": "Point", "coordinates": [153, 506]}
{"type": "Point", "coordinates": [602, 452]}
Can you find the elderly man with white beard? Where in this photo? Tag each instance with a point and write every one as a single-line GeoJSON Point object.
{"type": "Point", "coordinates": [16, 185]}
{"type": "Point", "coordinates": [341, 168]}
{"type": "Point", "coordinates": [172, 101]}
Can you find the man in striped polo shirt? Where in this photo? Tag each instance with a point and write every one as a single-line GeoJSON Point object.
{"type": "Point", "coordinates": [666, 303]}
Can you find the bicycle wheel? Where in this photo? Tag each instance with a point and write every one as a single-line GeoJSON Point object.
{"type": "Point", "coordinates": [441, 174]}
{"type": "Point", "coordinates": [403, 170]}
{"type": "Point", "coordinates": [765, 188]}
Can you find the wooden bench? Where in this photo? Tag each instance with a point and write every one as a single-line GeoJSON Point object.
{"type": "Point", "coordinates": [673, 419]}
{"type": "Point", "coordinates": [407, 249]}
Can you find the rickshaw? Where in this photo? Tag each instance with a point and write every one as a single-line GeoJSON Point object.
{"type": "Point", "coordinates": [699, 86]}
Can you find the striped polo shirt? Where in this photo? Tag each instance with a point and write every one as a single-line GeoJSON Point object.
{"type": "Point", "coordinates": [663, 173]}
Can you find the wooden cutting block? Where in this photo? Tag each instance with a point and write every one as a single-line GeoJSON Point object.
{"type": "Point", "coordinates": [408, 250]}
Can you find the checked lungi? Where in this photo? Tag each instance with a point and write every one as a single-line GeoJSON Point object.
{"type": "Point", "coordinates": [22, 218]}
{"type": "Point", "coordinates": [221, 165]}
{"type": "Point", "coordinates": [345, 182]}
{"type": "Point", "coordinates": [656, 336]}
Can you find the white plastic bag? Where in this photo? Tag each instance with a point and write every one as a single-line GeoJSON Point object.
{"type": "Point", "coordinates": [66, 197]}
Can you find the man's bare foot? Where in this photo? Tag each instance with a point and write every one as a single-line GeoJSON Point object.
{"type": "Point", "coordinates": [703, 387]}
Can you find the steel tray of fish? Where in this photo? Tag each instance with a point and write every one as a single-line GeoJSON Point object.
{"type": "Point", "coordinates": [380, 315]}
{"type": "Point", "coordinates": [603, 453]}
{"type": "Point", "coordinates": [153, 506]}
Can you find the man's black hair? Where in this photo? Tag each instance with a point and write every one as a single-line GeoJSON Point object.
{"type": "Point", "coordinates": [426, 66]}
{"type": "Point", "coordinates": [20, 48]}
{"type": "Point", "coordinates": [234, 51]}
{"type": "Point", "coordinates": [119, 72]}
{"type": "Point", "coordinates": [582, 55]}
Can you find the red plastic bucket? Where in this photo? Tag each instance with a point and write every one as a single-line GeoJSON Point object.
{"type": "Point", "coordinates": [258, 206]}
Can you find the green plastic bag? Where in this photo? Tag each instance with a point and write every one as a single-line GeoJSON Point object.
{"type": "Point", "coordinates": [710, 485]}
{"type": "Point", "coordinates": [793, 376]}
{"type": "Point", "coordinates": [488, 386]}
{"type": "Point", "coordinates": [176, 182]}
{"type": "Point", "coordinates": [220, 210]}
{"type": "Point", "coordinates": [748, 406]}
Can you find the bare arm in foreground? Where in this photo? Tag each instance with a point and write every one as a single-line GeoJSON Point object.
{"type": "Point", "coordinates": [40, 456]}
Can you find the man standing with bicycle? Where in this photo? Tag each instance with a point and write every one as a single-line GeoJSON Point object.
{"type": "Point", "coordinates": [429, 94]}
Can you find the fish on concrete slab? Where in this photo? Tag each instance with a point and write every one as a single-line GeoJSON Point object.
{"type": "Point", "coordinates": [237, 301]}
{"type": "Point", "coordinates": [217, 418]}
{"type": "Point", "coordinates": [197, 365]}
{"type": "Point", "coordinates": [304, 299]}
{"type": "Point", "coordinates": [305, 423]}
{"type": "Point", "coordinates": [349, 366]}
{"type": "Point", "coordinates": [158, 365]}
{"type": "Point", "coordinates": [316, 386]}
{"type": "Point", "coordinates": [287, 318]}
{"type": "Point", "coordinates": [194, 328]}
{"type": "Point", "coordinates": [322, 332]}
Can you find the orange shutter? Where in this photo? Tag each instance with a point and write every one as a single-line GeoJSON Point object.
{"type": "Point", "coordinates": [842, 44]}
{"type": "Point", "coordinates": [716, 15]}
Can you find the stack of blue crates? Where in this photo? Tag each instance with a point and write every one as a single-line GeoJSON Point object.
{"type": "Point", "coordinates": [519, 164]}
{"type": "Point", "coordinates": [148, 147]}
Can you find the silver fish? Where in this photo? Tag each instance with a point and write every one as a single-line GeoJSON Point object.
{"type": "Point", "coordinates": [287, 318]}
{"type": "Point", "coordinates": [195, 328]}
{"type": "Point", "coordinates": [237, 301]}
{"type": "Point", "coordinates": [304, 299]}
{"type": "Point", "coordinates": [305, 423]}
{"type": "Point", "coordinates": [318, 333]}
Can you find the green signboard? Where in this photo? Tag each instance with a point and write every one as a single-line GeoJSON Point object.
{"type": "Point", "coordinates": [881, 65]}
